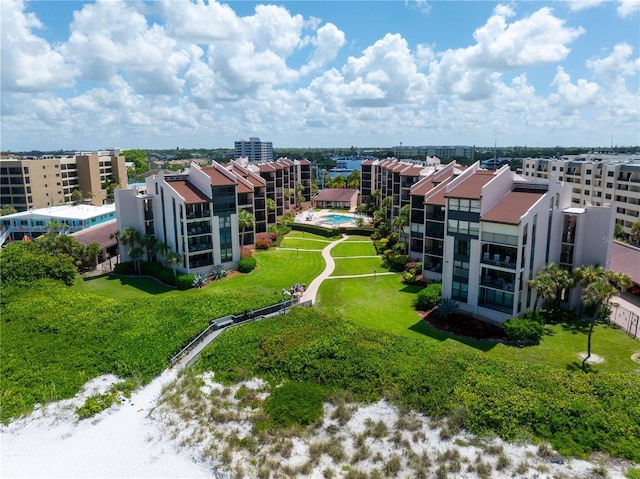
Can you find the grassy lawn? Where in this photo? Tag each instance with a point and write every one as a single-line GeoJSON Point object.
{"type": "Point", "coordinates": [315, 244]}
{"type": "Point", "coordinates": [121, 286]}
{"type": "Point", "coordinates": [310, 236]}
{"type": "Point", "coordinates": [356, 238]}
{"type": "Point", "coordinates": [346, 266]}
{"type": "Point", "coordinates": [347, 248]}
{"type": "Point", "coordinates": [276, 269]}
{"type": "Point", "coordinates": [386, 304]}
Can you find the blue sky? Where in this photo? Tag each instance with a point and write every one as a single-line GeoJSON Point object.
{"type": "Point", "coordinates": [172, 73]}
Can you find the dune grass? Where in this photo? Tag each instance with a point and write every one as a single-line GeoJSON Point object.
{"type": "Point", "coordinates": [347, 266]}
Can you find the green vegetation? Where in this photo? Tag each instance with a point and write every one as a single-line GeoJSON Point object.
{"type": "Point", "coordinates": [351, 248]}
{"type": "Point", "coordinates": [576, 412]}
{"type": "Point", "coordinates": [313, 244]}
{"type": "Point", "coordinates": [247, 264]}
{"type": "Point", "coordinates": [295, 403]}
{"type": "Point", "coordinates": [429, 297]}
{"type": "Point", "coordinates": [55, 338]}
{"type": "Point", "coordinates": [347, 266]}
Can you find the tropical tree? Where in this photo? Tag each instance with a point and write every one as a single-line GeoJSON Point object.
{"type": "Point", "coordinates": [324, 177]}
{"type": "Point", "coordinates": [337, 182]}
{"type": "Point", "coordinates": [135, 253]}
{"type": "Point", "coordinates": [110, 185]}
{"type": "Point", "coordinates": [54, 226]}
{"type": "Point", "coordinates": [353, 180]}
{"type": "Point", "coordinates": [116, 235]}
{"type": "Point", "coordinates": [314, 193]}
{"type": "Point", "coordinates": [271, 204]}
{"type": "Point", "coordinates": [245, 221]}
{"type": "Point", "coordinates": [377, 194]}
{"type": "Point", "coordinates": [173, 259]}
{"type": "Point", "coordinates": [549, 283]}
{"type": "Point", "coordinates": [148, 242]}
{"type": "Point", "coordinates": [7, 210]}
{"type": "Point", "coordinates": [76, 196]}
{"type": "Point", "coordinates": [402, 220]}
{"type": "Point", "coordinates": [93, 251]}
{"type": "Point", "coordinates": [618, 231]}
{"type": "Point", "coordinates": [635, 233]}
{"type": "Point", "coordinates": [597, 291]}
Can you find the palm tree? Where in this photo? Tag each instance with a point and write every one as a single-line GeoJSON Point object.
{"type": "Point", "coordinates": [116, 235]}
{"type": "Point", "coordinates": [597, 292]}
{"type": "Point", "coordinates": [314, 193]}
{"type": "Point", "coordinates": [93, 250]}
{"type": "Point", "coordinates": [377, 194]}
{"type": "Point", "coordinates": [135, 253]}
{"type": "Point", "coordinates": [635, 232]}
{"type": "Point", "coordinates": [549, 283]}
{"type": "Point", "coordinates": [402, 220]}
{"type": "Point", "coordinates": [110, 185]}
{"type": "Point", "coordinates": [271, 204]}
{"type": "Point", "coordinates": [245, 221]}
{"type": "Point", "coordinates": [173, 258]}
{"type": "Point", "coordinates": [148, 242]}
{"type": "Point", "coordinates": [324, 177]}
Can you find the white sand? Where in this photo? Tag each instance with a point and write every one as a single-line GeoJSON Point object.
{"type": "Point", "coordinates": [149, 436]}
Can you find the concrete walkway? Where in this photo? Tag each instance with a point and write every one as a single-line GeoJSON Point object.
{"type": "Point", "coordinates": [312, 290]}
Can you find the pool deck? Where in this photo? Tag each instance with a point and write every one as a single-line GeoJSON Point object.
{"type": "Point", "coordinates": [315, 217]}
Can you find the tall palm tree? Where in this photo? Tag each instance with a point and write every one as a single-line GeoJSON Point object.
{"type": "Point", "coordinates": [172, 258]}
{"type": "Point", "coordinates": [135, 253]}
{"type": "Point", "coordinates": [148, 242]}
{"type": "Point", "coordinates": [116, 235]}
{"type": "Point", "coordinates": [92, 251]}
{"type": "Point", "coordinates": [324, 177]}
{"type": "Point", "coordinates": [271, 204]}
{"type": "Point", "coordinates": [402, 220]}
{"type": "Point", "coordinates": [245, 221]}
{"type": "Point", "coordinates": [597, 292]}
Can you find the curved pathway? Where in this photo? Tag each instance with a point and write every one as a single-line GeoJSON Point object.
{"type": "Point", "coordinates": [312, 290]}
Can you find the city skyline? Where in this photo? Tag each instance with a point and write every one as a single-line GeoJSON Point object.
{"type": "Point", "coordinates": [167, 74]}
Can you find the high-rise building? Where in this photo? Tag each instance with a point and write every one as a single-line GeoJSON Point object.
{"type": "Point", "coordinates": [27, 183]}
{"type": "Point", "coordinates": [254, 149]}
{"type": "Point", "coordinates": [595, 179]}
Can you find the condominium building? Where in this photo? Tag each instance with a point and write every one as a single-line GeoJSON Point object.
{"type": "Point", "coordinates": [254, 149]}
{"type": "Point", "coordinates": [195, 213]}
{"type": "Point", "coordinates": [487, 233]}
{"type": "Point", "coordinates": [27, 183]}
{"type": "Point", "coordinates": [595, 179]}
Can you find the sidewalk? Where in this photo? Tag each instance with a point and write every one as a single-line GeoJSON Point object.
{"type": "Point", "coordinates": [312, 290]}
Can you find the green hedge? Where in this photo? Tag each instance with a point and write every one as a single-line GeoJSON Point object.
{"type": "Point", "coordinates": [429, 297]}
{"type": "Point", "coordinates": [185, 281]}
{"type": "Point", "coordinates": [521, 329]}
{"type": "Point", "coordinates": [247, 264]}
{"type": "Point", "coordinates": [317, 230]}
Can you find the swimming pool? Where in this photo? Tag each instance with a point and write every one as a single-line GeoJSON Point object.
{"type": "Point", "coordinates": [335, 219]}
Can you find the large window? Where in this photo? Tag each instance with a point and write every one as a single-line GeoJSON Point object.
{"type": "Point", "coordinates": [463, 204]}
{"type": "Point", "coordinates": [459, 290]}
{"type": "Point", "coordinates": [463, 227]}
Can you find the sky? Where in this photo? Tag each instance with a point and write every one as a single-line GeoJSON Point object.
{"type": "Point", "coordinates": [177, 74]}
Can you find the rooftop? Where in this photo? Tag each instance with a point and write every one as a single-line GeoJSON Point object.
{"type": "Point", "coordinates": [512, 207]}
{"type": "Point", "coordinates": [188, 192]}
{"type": "Point", "coordinates": [471, 187]}
{"type": "Point", "coordinates": [336, 194]}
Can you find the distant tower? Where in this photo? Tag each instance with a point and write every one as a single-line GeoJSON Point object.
{"type": "Point", "coordinates": [254, 149]}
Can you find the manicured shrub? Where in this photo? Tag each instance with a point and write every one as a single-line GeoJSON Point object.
{"type": "Point", "coordinates": [246, 252]}
{"type": "Point", "coordinates": [393, 239]}
{"type": "Point", "coordinates": [247, 264]}
{"type": "Point", "coordinates": [429, 297]}
{"type": "Point", "coordinates": [396, 262]}
{"type": "Point", "coordinates": [185, 281]}
{"type": "Point", "coordinates": [264, 241]}
{"type": "Point", "coordinates": [124, 268]}
{"type": "Point", "coordinates": [167, 276]}
{"type": "Point", "coordinates": [409, 277]}
{"type": "Point", "coordinates": [521, 329]}
{"type": "Point", "coordinates": [152, 268]}
{"type": "Point", "coordinates": [295, 403]}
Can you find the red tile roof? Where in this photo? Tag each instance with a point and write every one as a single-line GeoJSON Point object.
{"type": "Point", "coordinates": [218, 178]}
{"type": "Point", "coordinates": [625, 259]}
{"type": "Point", "coordinates": [513, 206]}
{"type": "Point", "coordinates": [471, 187]}
{"type": "Point", "coordinates": [304, 162]}
{"type": "Point", "coordinates": [188, 192]}
{"type": "Point", "coordinates": [368, 162]}
{"type": "Point", "coordinates": [412, 171]}
{"type": "Point", "coordinates": [244, 186]}
{"type": "Point", "coordinates": [265, 167]}
{"type": "Point", "coordinates": [336, 194]}
{"type": "Point", "coordinates": [437, 195]}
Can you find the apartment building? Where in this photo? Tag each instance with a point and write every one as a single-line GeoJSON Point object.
{"type": "Point", "coordinates": [446, 152]}
{"type": "Point", "coordinates": [595, 179]}
{"type": "Point", "coordinates": [486, 233]}
{"type": "Point", "coordinates": [27, 183]}
{"type": "Point", "coordinates": [254, 149]}
{"type": "Point", "coordinates": [196, 212]}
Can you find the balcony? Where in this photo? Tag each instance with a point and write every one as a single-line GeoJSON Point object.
{"type": "Point", "coordinates": [498, 280]}
{"type": "Point", "coordinates": [433, 264]}
{"type": "Point", "coordinates": [499, 256]}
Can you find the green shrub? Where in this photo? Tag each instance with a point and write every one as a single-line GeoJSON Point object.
{"type": "Point", "coordinates": [295, 403]}
{"type": "Point", "coordinates": [521, 329]}
{"type": "Point", "coordinates": [409, 277]}
{"type": "Point", "coordinates": [393, 239]}
{"type": "Point", "coordinates": [633, 473]}
{"type": "Point", "coordinates": [531, 315]}
{"type": "Point", "coordinates": [396, 262]}
{"type": "Point", "coordinates": [317, 230]}
{"type": "Point", "coordinates": [185, 281]}
{"type": "Point", "coordinates": [24, 262]}
{"type": "Point", "coordinates": [557, 315]}
{"type": "Point", "coordinates": [95, 404]}
{"type": "Point", "coordinates": [247, 264]}
{"type": "Point", "coordinates": [429, 297]}
{"type": "Point", "coordinates": [125, 268]}
{"type": "Point", "coordinates": [167, 276]}
{"type": "Point", "coordinates": [152, 268]}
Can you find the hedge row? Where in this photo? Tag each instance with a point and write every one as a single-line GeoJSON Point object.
{"type": "Point", "coordinates": [329, 233]}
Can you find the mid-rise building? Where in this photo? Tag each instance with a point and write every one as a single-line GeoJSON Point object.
{"type": "Point", "coordinates": [51, 181]}
{"type": "Point", "coordinates": [445, 152]}
{"type": "Point", "coordinates": [487, 233]}
{"type": "Point", "coordinates": [254, 149]}
{"type": "Point", "coordinates": [595, 179]}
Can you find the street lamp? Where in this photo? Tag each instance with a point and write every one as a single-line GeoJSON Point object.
{"type": "Point", "coordinates": [374, 274]}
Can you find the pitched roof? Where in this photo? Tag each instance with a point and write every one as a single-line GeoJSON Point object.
{"type": "Point", "coordinates": [218, 177]}
{"type": "Point", "coordinates": [412, 171]}
{"type": "Point", "coordinates": [304, 162]}
{"type": "Point", "coordinates": [428, 183]}
{"type": "Point", "coordinates": [513, 206]}
{"type": "Point", "coordinates": [336, 194]}
{"type": "Point", "coordinates": [264, 167]}
{"type": "Point", "coordinates": [625, 259]}
{"type": "Point", "coordinates": [471, 187]}
{"type": "Point", "coordinates": [437, 195]}
{"type": "Point", "coordinates": [188, 191]}
{"type": "Point", "coordinates": [98, 234]}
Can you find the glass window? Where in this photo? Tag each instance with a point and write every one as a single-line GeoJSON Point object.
{"type": "Point", "coordinates": [475, 206]}
{"type": "Point", "coordinates": [454, 204]}
{"type": "Point", "coordinates": [474, 229]}
{"type": "Point", "coordinates": [464, 205]}
{"type": "Point", "coordinates": [453, 226]}
{"type": "Point", "coordinates": [463, 227]}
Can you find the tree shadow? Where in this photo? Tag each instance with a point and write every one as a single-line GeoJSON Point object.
{"type": "Point", "coordinates": [577, 366]}
{"type": "Point", "coordinates": [423, 327]}
{"type": "Point", "coordinates": [148, 285]}
{"type": "Point", "coordinates": [577, 327]}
